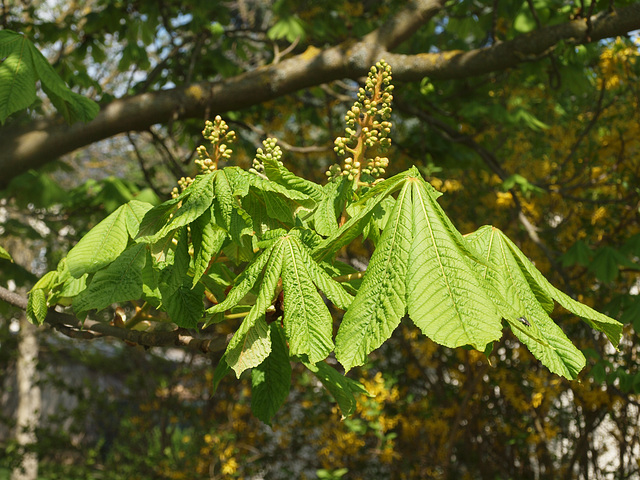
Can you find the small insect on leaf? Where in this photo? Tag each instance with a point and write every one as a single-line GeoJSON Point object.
{"type": "Point", "coordinates": [524, 321]}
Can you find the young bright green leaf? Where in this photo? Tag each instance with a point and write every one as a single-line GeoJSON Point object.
{"type": "Point", "coordinates": [66, 287]}
{"type": "Point", "coordinates": [268, 211]}
{"type": "Point", "coordinates": [119, 282]}
{"type": "Point", "coordinates": [244, 283]}
{"type": "Point", "coordinates": [101, 246]}
{"type": "Point", "coordinates": [271, 380]}
{"type": "Point", "coordinates": [134, 212]}
{"type": "Point", "coordinates": [278, 173]}
{"type": "Point", "coordinates": [5, 255]}
{"type": "Point", "coordinates": [251, 348]}
{"type": "Point", "coordinates": [251, 343]}
{"type": "Point", "coordinates": [529, 321]}
{"type": "Point", "coordinates": [334, 198]}
{"type": "Point", "coordinates": [37, 306]}
{"type": "Point", "coordinates": [232, 217]}
{"type": "Point", "coordinates": [610, 327]}
{"type": "Point", "coordinates": [267, 186]}
{"type": "Point", "coordinates": [446, 298]}
{"type": "Point", "coordinates": [381, 301]}
{"type": "Point", "coordinates": [343, 389]}
{"type": "Point", "coordinates": [180, 211]}
{"type": "Point", "coordinates": [307, 320]}
{"type": "Point", "coordinates": [364, 207]}
{"type": "Point", "coordinates": [273, 204]}
{"type": "Point", "coordinates": [154, 221]}
{"type": "Point", "coordinates": [47, 282]}
{"type": "Point", "coordinates": [207, 238]}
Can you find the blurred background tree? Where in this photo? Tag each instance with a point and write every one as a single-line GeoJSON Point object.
{"type": "Point", "coordinates": [524, 113]}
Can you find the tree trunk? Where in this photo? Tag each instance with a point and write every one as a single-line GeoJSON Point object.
{"type": "Point", "coordinates": [28, 410]}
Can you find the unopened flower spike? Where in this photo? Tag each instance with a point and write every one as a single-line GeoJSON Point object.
{"type": "Point", "coordinates": [218, 133]}
{"type": "Point", "coordinates": [367, 130]}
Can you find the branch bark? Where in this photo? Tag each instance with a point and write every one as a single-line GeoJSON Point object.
{"type": "Point", "coordinates": [45, 140]}
{"type": "Point", "coordinates": [75, 328]}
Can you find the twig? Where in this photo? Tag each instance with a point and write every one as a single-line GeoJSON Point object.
{"type": "Point", "coordinates": [285, 146]}
{"type": "Point", "coordinates": [88, 329]}
{"type": "Point", "coordinates": [145, 171]}
{"type": "Point", "coordinates": [277, 54]}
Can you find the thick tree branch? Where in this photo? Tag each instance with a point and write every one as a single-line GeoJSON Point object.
{"type": "Point", "coordinates": [46, 140]}
{"type": "Point", "coordinates": [74, 328]}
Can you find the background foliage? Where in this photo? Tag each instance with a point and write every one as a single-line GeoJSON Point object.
{"type": "Point", "coordinates": [547, 152]}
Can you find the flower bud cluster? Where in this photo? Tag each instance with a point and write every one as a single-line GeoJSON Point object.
{"type": "Point", "coordinates": [217, 132]}
{"type": "Point", "coordinates": [271, 151]}
{"type": "Point", "coordinates": [183, 183]}
{"type": "Point", "coordinates": [376, 167]}
{"type": "Point", "coordinates": [367, 127]}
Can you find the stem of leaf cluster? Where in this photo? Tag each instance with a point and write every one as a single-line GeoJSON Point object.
{"type": "Point", "coordinates": [349, 276]}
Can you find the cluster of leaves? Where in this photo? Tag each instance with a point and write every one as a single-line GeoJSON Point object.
{"type": "Point", "coordinates": [21, 66]}
{"type": "Point", "coordinates": [282, 233]}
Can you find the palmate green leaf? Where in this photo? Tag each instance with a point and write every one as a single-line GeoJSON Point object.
{"type": "Point", "coordinates": [180, 300]}
{"type": "Point", "coordinates": [21, 66]}
{"type": "Point", "coordinates": [17, 74]}
{"type": "Point", "coordinates": [271, 380]}
{"type": "Point", "coordinates": [72, 106]}
{"type": "Point", "coordinates": [178, 212]}
{"type": "Point", "coordinates": [278, 173]}
{"type": "Point", "coordinates": [307, 321]}
{"type": "Point", "coordinates": [154, 221]}
{"type": "Point", "coordinates": [343, 389]}
{"type": "Point", "coordinates": [332, 289]}
{"type": "Point", "coordinates": [527, 318]}
{"type": "Point", "coordinates": [381, 301]}
{"type": "Point", "coordinates": [251, 343]}
{"type": "Point", "coordinates": [446, 298]}
{"type": "Point", "coordinates": [610, 327]}
{"type": "Point", "coordinates": [364, 210]}
{"type": "Point", "coordinates": [101, 246]}
{"type": "Point", "coordinates": [422, 266]}
{"type": "Point", "coordinates": [119, 282]}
